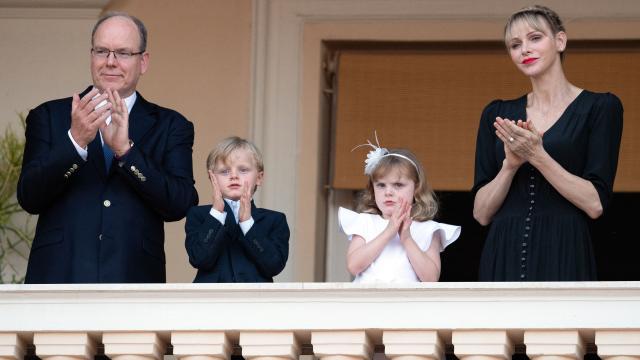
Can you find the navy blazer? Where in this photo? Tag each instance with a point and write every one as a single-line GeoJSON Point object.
{"type": "Point", "coordinates": [222, 253]}
{"type": "Point", "coordinates": [96, 226]}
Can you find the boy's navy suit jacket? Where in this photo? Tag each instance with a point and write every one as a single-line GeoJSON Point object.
{"type": "Point", "coordinates": [222, 253]}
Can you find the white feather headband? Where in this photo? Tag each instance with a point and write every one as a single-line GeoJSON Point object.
{"type": "Point", "coordinates": [374, 156]}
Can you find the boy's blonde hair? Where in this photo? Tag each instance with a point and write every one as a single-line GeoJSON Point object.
{"type": "Point", "coordinates": [425, 204]}
{"type": "Point", "coordinates": [223, 150]}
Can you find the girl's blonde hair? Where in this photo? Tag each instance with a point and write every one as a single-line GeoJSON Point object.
{"type": "Point", "coordinates": [535, 16]}
{"type": "Point", "coordinates": [425, 204]}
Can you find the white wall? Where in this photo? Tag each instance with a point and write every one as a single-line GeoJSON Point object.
{"type": "Point", "coordinates": [41, 59]}
{"type": "Point", "coordinates": [45, 55]}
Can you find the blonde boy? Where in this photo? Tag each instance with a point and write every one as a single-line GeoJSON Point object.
{"type": "Point", "coordinates": [232, 240]}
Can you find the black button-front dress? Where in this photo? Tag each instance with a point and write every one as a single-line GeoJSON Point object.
{"type": "Point", "coordinates": [538, 235]}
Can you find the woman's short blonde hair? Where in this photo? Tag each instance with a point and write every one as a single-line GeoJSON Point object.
{"type": "Point", "coordinates": [535, 16]}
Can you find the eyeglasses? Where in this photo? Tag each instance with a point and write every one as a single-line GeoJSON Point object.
{"type": "Point", "coordinates": [103, 53]}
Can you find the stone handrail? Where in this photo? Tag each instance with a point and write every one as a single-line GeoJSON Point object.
{"type": "Point", "coordinates": [330, 320]}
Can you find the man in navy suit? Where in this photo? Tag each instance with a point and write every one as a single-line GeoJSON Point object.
{"type": "Point", "coordinates": [105, 169]}
{"type": "Point", "coordinates": [232, 240]}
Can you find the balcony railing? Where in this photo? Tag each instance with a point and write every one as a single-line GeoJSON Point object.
{"type": "Point", "coordinates": [332, 321]}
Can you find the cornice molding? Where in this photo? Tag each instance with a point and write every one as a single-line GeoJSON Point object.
{"type": "Point", "coordinates": [51, 9]}
{"type": "Point", "coordinates": [354, 10]}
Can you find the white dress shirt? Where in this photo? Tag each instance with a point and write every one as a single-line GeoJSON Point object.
{"type": "Point", "coordinates": [245, 226]}
{"type": "Point", "coordinates": [84, 152]}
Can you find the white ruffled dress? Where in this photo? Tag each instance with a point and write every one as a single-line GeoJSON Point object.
{"type": "Point", "coordinates": [392, 266]}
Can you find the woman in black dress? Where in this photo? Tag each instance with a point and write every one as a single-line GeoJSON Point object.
{"type": "Point", "coordinates": [545, 162]}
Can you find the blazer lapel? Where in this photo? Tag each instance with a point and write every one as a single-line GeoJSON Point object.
{"type": "Point", "coordinates": [140, 119]}
{"type": "Point", "coordinates": [255, 212]}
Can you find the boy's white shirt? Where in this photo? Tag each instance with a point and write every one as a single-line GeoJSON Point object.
{"type": "Point", "coordinates": [245, 226]}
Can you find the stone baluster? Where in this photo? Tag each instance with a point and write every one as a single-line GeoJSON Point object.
{"type": "Point", "coordinates": [64, 346]}
{"type": "Point", "coordinates": [554, 345]}
{"type": "Point", "coordinates": [618, 344]}
{"type": "Point", "coordinates": [482, 344]}
{"type": "Point", "coordinates": [200, 345]}
{"type": "Point", "coordinates": [269, 345]}
{"type": "Point", "coordinates": [413, 345]}
{"type": "Point", "coordinates": [133, 346]}
{"type": "Point", "coordinates": [11, 347]}
{"type": "Point", "coordinates": [342, 345]}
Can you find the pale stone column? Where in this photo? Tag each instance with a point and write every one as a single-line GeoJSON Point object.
{"type": "Point", "coordinates": [342, 345]}
{"type": "Point", "coordinates": [133, 346]}
{"type": "Point", "coordinates": [554, 344]}
{"type": "Point", "coordinates": [618, 344]}
{"type": "Point", "coordinates": [200, 345]}
{"type": "Point", "coordinates": [413, 345]}
{"type": "Point", "coordinates": [482, 344]}
{"type": "Point", "coordinates": [11, 347]}
{"type": "Point", "coordinates": [269, 345]}
{"type": "Point", "coordinates": [64, 346]}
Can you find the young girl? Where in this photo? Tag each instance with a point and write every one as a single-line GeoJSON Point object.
{"type": "Point", "coordinates": [393, 239]}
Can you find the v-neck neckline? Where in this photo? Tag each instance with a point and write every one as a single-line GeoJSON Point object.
{"type": "Point", "coordinates": [562, 115]}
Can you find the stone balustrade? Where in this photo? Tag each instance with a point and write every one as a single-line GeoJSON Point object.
{"type": "Point", "coordinates": [328, 321]}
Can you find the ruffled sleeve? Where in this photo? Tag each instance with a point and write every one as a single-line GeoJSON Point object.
{"type": "Point", "coordinates": [422, 233]}
{"type": "Point", "coordinates": [353, 223]}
